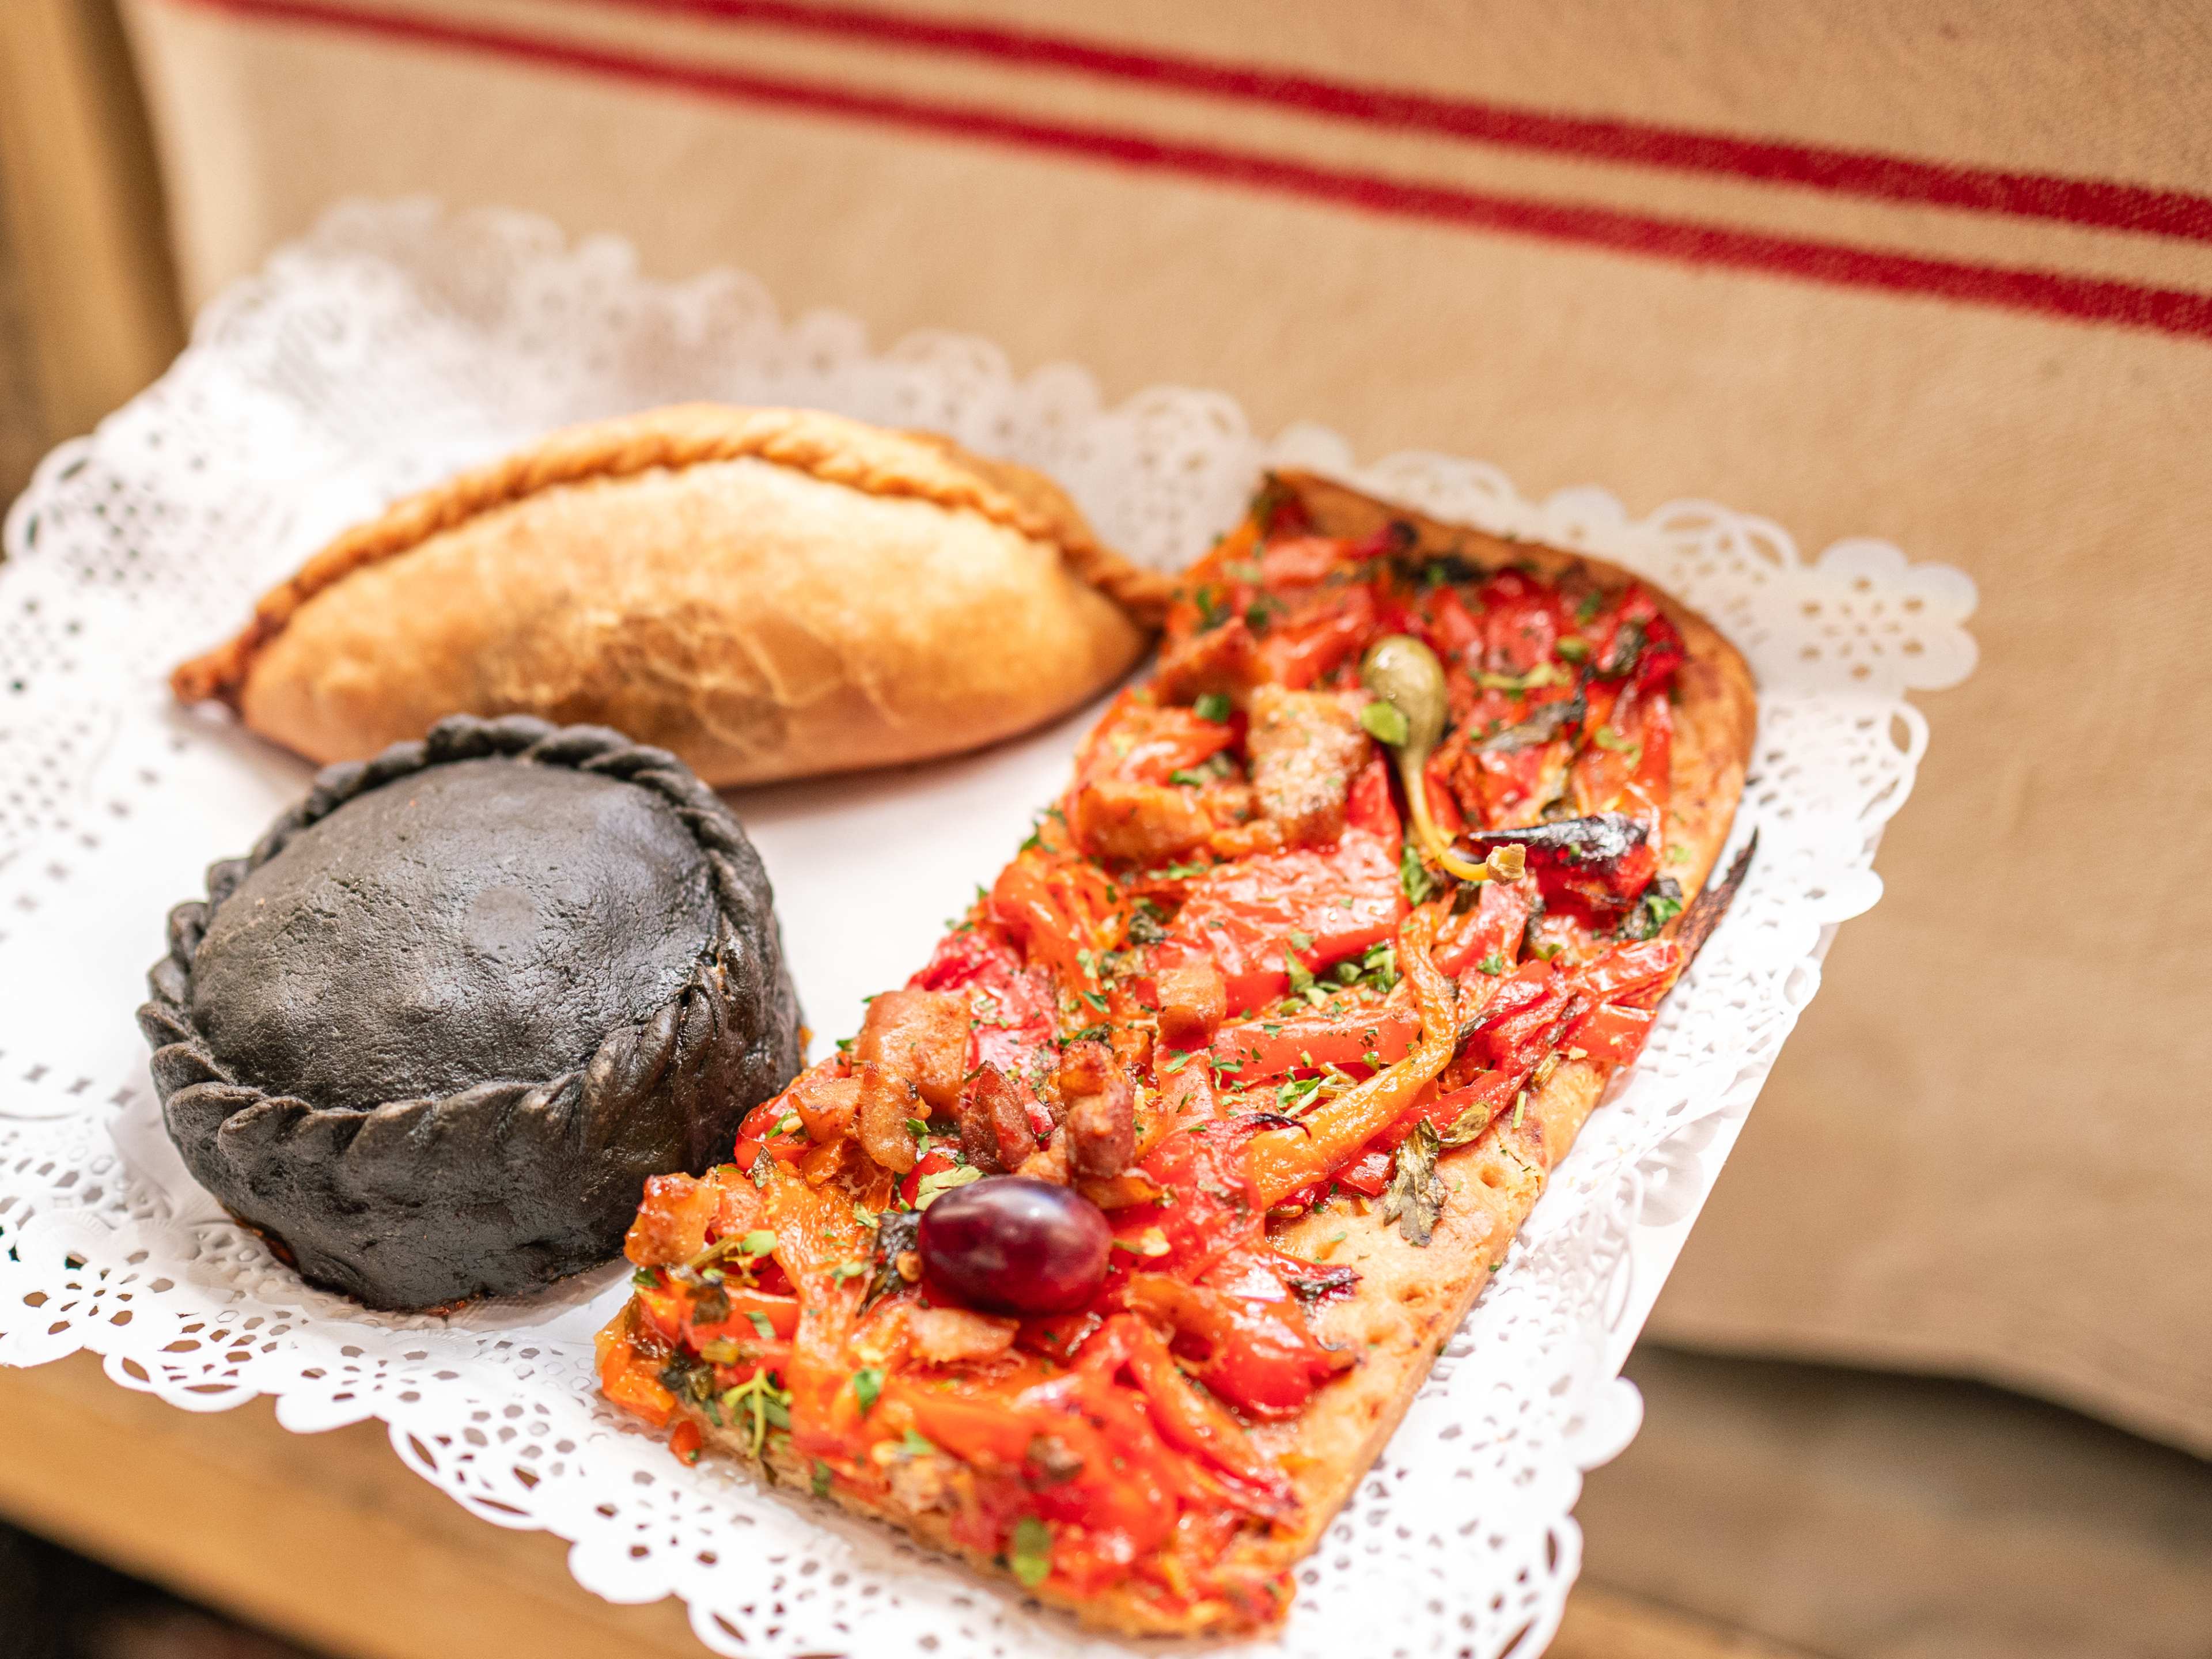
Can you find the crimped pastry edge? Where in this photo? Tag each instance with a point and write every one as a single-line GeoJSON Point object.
{"type": "Point", "coordinates": [247, 1129]}
{"type": "Point", "coordinates": [874, 461]}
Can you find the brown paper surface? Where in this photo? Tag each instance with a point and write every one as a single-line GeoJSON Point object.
{"type": "Point", "coordinates": [1984, 1152]}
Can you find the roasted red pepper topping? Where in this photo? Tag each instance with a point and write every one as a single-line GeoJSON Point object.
{"type": "Point", "coordinates": [1267, 992]}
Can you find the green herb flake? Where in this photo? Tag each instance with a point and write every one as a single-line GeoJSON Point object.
{"type": "Point", "coordinates": [1414, 876]}
{"type": "Point", "coordinates": [1212, 706]}
{"type": "Point", "coordinates": [1493, 964]}
{"type": "Point", "coordinates": [761, 1324]}
{"type": "Point", "coordinates": [1415, 1196]}
{"type": "Point", "coordinates": [756, 1243]}
{"type": "Point", "coordinates": [867, 1387]}
{"type": "Point", "coordinates": [913, 1444]}
{"type": "Point", "coordinates": [1029, 1553]}
{"type": "Point", "coordinates": [823, 1476]}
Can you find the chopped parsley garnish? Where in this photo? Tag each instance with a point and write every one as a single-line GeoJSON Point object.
{"type": "Point", "coordinates": [1212, 706]}
{"type": "Point", "coordinates": [868, 1385]}
{"type": "Point", "coordinates": [1414, 876]}
{"type": "Point", "coordinates": [1030, 1553]}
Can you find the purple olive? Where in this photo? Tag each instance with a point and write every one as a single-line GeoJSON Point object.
{"type": "Point", "coordinates": [1015, 1245]}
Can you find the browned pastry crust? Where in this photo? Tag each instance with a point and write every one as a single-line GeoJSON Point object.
{"type": "Point", "coordinates": [766, 593]}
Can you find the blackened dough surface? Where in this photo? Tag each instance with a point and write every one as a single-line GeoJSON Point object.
{"type": "Point", "coordinates": [474, 922]}
{"type": "Point", "coordinates": [432, 1034]}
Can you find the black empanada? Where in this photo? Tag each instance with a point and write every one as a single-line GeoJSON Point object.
{"type": "Point", "coordinates": [433, 1033]}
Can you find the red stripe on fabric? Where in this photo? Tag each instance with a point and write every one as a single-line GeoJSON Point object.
{"type": "Point", "coordinates": [2083, 299]}
{"type": "Point", "coordinates": [2105, 203]}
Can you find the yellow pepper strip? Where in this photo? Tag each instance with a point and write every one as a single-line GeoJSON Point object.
{"type": "Point", "coordinates": [1284, 1160]}
{"type": "Point", "coordinates": [1504, 863]}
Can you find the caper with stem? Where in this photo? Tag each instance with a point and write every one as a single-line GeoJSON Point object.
{"type": "Point", "coordinates": [1408, 681]}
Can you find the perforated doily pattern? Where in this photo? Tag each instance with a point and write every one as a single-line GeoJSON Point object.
{"type": "Point", "coordinates": [396, 344]}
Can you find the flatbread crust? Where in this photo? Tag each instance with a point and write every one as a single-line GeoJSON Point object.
{"type": "Point", "coordinates": [768, 593]}
{"type": "Point", "coordinates": [1410, 1300]}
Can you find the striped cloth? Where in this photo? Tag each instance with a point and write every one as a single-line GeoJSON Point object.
{"type": "Point", "coordinates": [1922, 269]}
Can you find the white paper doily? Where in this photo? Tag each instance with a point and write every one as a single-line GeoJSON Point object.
{"type": "Point", "coordinates": [396, 344]}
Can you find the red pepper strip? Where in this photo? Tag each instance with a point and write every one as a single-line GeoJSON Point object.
{"type": "Point", "coordinates": [671, 1312]}
{"type": "Point", "coordinates": [1610, 1035]}
{"type": "Point", "coordinates": [1370, 1173]}
{"type": "Point", "coordinates": [627, 1377]}
{"type": "Point", "coordinates": [1523, 1006]}
{"type": "Point", "coordinates": [1639, 974]}
{"type": "Point", "coordinates": [1215, 1210]}
{"type": "Point", "coordinates": [1188, 1420]}
{"type": "Point", "coordinates": [758, 1133]}
{"type": "Point", "coordinates": [1494, 926]}
{"type": "Point", "coordinates": [1284, 1160]}
{"type": "Point", "coordinates": [1259, 1051]}
{"type": "Point", "coordinates": [1259, 1353]}
{"type": "Point", "coordinates": [1370, 805]}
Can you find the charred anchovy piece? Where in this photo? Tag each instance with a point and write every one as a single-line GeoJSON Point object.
{"type": "Point", "coordinates": [1600, 838]}
{"type": "Point", "coordinates": [1627, 646]}
{"type": "Point", "coordinates": [1543, 725]}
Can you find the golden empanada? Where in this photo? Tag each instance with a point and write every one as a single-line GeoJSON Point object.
{"type": "Point", "coordinates": [769, 592]}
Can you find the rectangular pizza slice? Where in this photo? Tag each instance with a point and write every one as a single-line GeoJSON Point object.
{"type": "Point", "coordinates": [1114, 1246]}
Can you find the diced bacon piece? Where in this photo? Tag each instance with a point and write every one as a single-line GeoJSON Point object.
{"type": "Point", "coordinates": [1013, 1003]}
{"type": "Point", "coordinates": [672, 1223]}
{"type": "Point", "coordinates": [1223, 660]}
{"type": "Point", "coordinates": [943, 1336]}
{"type": "Point", "coordinates": [995, 1133]}
{"type": "Point", "coordinates": [1193, 998]}
{"type": "Point", "coordinates": [1139, 822]}
{"type": "Point", "coordinates": [885, 1104]}
{"type": "Point", "coordinates": [923, 1036]}
{"type": "Point", "coordinates": [825, 1104]}
{"type": "Point", "coordinates": [1099, 1106]}
{"type": "Point", "coordinates": [1306, 748]}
